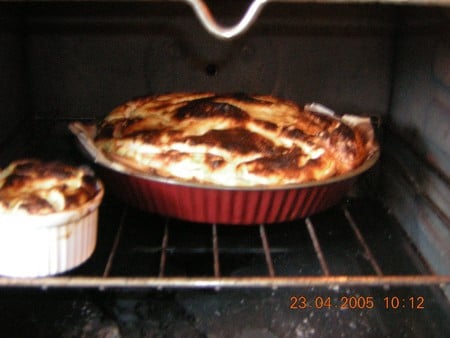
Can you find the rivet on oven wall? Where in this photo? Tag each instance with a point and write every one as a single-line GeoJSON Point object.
{"type": "Point", "coordinates": [211, 69]}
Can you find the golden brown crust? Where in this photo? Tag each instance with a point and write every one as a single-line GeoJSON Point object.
{"type": "Point", "coordinates": [236, 140]}
{"type": "Point", "coordinates": [36, 187]}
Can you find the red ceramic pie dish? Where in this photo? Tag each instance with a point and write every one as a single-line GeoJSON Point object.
{"type": "Point", "coordinates": [208, 203]}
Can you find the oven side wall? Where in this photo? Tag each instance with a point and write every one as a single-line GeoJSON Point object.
{"type": "Point", "coordinates": [13, 86]}
{"type": "Point", "coordinates": [417, 160]}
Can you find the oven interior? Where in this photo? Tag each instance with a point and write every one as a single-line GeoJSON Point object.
{"type": "Point", "coordinates": [153, 277]}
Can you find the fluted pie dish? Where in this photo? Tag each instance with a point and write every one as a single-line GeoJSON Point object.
{"type": "Point", "coordinates": [231, 159]}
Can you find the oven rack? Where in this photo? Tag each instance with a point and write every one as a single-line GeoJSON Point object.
{"type": "Point", "coordinates": [347, 253]}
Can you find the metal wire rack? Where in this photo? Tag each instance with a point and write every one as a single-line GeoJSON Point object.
{"type": "Point", "coordinates": [350, 245]}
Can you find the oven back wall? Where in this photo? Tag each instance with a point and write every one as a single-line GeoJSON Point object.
{"type": "Point", "coordinates": [87, 59]}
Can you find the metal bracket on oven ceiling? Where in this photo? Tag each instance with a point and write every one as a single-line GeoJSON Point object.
{"type": "Point", "coordinates": [206, 18]}
{"type": "Point", "coordinates": [209, 22]}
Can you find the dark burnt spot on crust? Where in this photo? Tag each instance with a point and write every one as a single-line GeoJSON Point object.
{"type": "Point", "coordinates": [293, 132]}
{"type": "Point", "coordinates": [109, 129]}
{"type": "Point", "coordinates": [237, 140]}
{"type": "Point", "coordinates": [205, 109]}
{"type": "Point", "coordinates": [284, 159]}
{"type": "Point", "coordinates": [105, 131]}
{"type": "Point", "coordinates": [78, 197]}
{"type": "Point", "coordinates": [153, 136]}
{"type": "Point", "coordinates": [288, 163]}
{"type": "Point", "coordinates": [150, 135]}
{"type": "Point", "coordinates": [35, 204]}
{"type": "Point", "coordinates": [14, 181]}
{"type": "Point", "coordinates": [24, 167]}
{"type": "Point", "coordinates": [344, 132]}
{"type": "Point", "coordinates": [28, 171]}
{"type": "Point", "coordinates": [41, 170]}
{"type": "Point", "coordinates": [343, 139]}
{"type": "Point", "coordinates": [56, 170]}
{"type": "Point", "coordinates": [91, 185]}
{"type": "Point", "coordinates": [89, 180]}
{"type": "Point", "coordinates": [296, 134]}
{"type": "Point", "coordinates": [266, 124]}
{"type": "Point", "coordinates": [27, 168]}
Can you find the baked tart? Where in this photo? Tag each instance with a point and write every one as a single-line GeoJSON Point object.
{"type": "Point", "coordinates": [236, 140]}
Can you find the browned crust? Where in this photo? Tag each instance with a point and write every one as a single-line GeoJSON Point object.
{"type": "Point", "coordinates": [258, 139]}
{"type": "Point", "coordinates": [38, 187]}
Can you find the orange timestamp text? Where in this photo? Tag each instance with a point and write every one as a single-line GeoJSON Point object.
{"type": "Point", "coordinates": [302, 302]}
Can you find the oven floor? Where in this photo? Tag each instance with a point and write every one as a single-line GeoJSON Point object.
{"type": "Point", "coordinates": [332, 311]}
{"type": "Point", "coordinates": [227, 313]}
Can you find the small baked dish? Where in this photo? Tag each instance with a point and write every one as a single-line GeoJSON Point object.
{"type": "Point", "coordinates": [48, 217]}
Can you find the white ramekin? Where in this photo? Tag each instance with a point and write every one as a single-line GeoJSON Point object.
{"type": "Point", "coordinates": [43, 245]}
